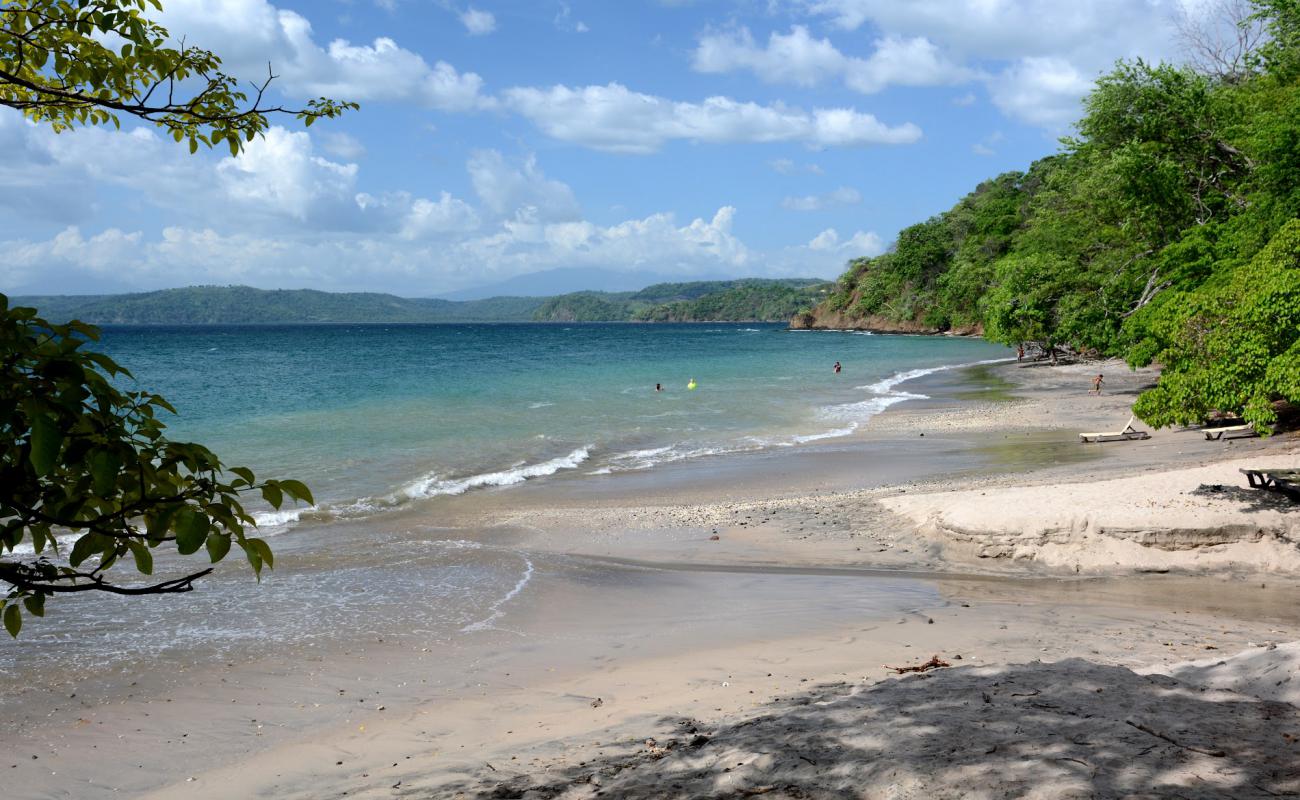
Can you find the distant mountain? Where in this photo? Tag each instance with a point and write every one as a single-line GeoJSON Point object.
{"type": "Point", "coordinates": [734, 300]}
{"type": "Point", "coordinates": [243, 305]}
{"type": "Point", "coordinates": [746, 300]}
{"type": "Point", "coordinates": [551, 282]}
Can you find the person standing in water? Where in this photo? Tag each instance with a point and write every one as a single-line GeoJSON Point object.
{"type": "Point", "coordinates": [691, 385]}
{"type": "Point", "coordinates": [659, 387]}
{"type": "Point", "coordinates": [837, 368]}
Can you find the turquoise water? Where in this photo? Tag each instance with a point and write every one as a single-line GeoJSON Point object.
{"type": "Point", "coordinates": [373, 417]}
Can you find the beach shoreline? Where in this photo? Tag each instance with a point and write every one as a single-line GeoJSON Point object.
{"type": "Point", "coordinates": [710, 590]}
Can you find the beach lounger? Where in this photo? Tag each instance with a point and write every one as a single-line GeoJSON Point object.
{"type": "Point", "coordinates": [1230, 432]}
{"type": "Point", "coordinates": [1124, 434]}
{"type": "Point", "coordinates": [1286, 481]}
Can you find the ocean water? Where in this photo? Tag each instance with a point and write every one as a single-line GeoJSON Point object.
{"type": "Point", "coordinates": [374, 417]}
{"type": "Point", "coordinates": [377, 418]}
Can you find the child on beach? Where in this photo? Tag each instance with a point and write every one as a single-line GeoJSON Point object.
{"type": "Point", "coordinates": [1096, 386]}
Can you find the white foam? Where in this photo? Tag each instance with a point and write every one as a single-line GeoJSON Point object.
{"type": "Point", "coordinates": [540, 405]}
{"type": "Point", "coordinates": [62, 545]}
{"type": "Point", "coordinates": [432, 485]}
{"type": "Point", "coordinates": [495, 612]}
{"type": "Point", "coordinates": [831, 434]}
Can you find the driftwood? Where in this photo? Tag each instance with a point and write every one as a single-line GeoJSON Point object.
{"type": "Point", "coordinates": [934, 663]}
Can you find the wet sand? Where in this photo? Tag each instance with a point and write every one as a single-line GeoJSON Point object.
{"type": "Point", "coordinates": [635, 617]}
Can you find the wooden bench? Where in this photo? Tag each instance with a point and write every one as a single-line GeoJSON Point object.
{"type": "Point", "coordinates": [1286, 481]}
{"type": "Point", "coordinates": [1230, 432]}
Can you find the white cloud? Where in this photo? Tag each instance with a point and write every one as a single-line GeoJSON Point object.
{"type": "Point", "coordinates": [1043, 54]}
{"type": "Point", "coordinates": [477, 22]}
{"type": "Point", "coordinates": [795, 58]}
{"type": "Point", "coordinates": [342, 145]}
{"type": "Point", "coordinates": [249, 33]}
{"type": "Point", "coordinates": [843, 196]}
{"type": "Point", "coordinates": [504, 189]}
{"type": "Point", "coordinates": [800, 59]}
{"type": "Point", "coordinates": [616, 119]}
{"type": "Point", "coordinates": [903, 61]}
{"type": "Point", "coordinates": [280, 173]}
{"type": "Point", "coordinates": [1041, 91]}
{"type": "Point", "coordinates": [859, 244]}
{"type": "Point", "coordinates": [403, 263]}
{"type": "Point", "coordinates": [965, 100]}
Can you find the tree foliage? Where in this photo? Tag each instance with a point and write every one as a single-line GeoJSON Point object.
{"type": "Point", "coordinates": [91, 62]}
{"type": "Point", "coordinates": [1163, 231]}
{"type": "Point", "coordinates": [81, 456]}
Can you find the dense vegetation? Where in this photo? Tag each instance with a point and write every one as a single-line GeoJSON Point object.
{"type": "Point", "coordinates": [743, 300]}
{"type": "Point", "coordinates": [1164, 232]}
{"type": "Point", "coordinates": [750, 300]}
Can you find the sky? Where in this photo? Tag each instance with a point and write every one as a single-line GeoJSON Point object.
{"type": "Point", "coordinates": [683, 138]}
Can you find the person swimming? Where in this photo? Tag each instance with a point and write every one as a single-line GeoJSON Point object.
{"type": "Point", "coordinates": [691, 385]}
{"type": "Point", "coordinates": [659, 387]}
{"type": "Point", "coordinates": [837, 368]}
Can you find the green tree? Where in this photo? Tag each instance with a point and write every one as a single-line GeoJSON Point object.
{"type": "Point", "coordinates": [77, 454]}
{"type": "Point", "coordinates": [1232, 344]}
{"type": "Point", "coordinates": [91, 62]}
{"type": "Point", "coordinates": [80, 455]}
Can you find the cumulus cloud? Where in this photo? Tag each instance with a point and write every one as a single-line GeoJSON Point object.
{"type": "Point", "coordinates": [280, 173]}
{"type": "Point", "coordinates": [478, 23]}
{"type": "Point", "coordinates": [843, 196]}
{"type": "Point", "coordinates": [1041, 56]}
{"type": "Point", "coordinates": [859, 244]}
{"type": "Point", "coordinates": [505, 189]}
{"type": "Point", "coordinates": [400, 263]}
{"type": "Point", "coordinates": [249, 33]}
{"type": "Point", "coordinates": [795, 57]}
{"type": "Point", "coordinates": [1041, 91]}
{"type": "Point", "coordinates": [617, 119]}
{"type": "Point", "coordinates": [798, 58]}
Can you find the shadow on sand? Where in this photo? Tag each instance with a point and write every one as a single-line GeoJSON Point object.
{"type": "Point", "coordinates": [1072, 729]}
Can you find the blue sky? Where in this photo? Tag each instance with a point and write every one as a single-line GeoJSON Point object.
{"type": "Point", "coordinates": [735, 137]}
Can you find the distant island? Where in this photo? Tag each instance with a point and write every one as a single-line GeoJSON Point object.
{"type": "Point", "coordinates": [742, 300]}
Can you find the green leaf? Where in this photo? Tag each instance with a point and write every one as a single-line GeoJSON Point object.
{"type": "Point", "coordinates": [272, 494]}
{"type": "Point", "coordinates": [297, 490]}
{"type": "Point", "coordinates": [245, 473]}
{"type": "Point", "coordinates": [35, 604]}
{"type": "Point", "coordinates": [218, 545]}
{"type": "Point", "coordinates": [263, 549]}
{"type": "Point", "coordinates": [46, 441]}
{"type": "Point", "coordinates": [191, 530]}
{"type": "Point", "coordinates": [143, 557]}
{"type": "Point", "coordinates": [13, 619]}
{"type": "Point", "coordinates": [84, 548]}
{"type": "Point", "coordinates": [104, 468]}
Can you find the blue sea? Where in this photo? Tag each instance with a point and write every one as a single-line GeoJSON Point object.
{"type": "Point", "coordinates": [375, 417]}
{"type": "Point", "coordinates": [382, 419]}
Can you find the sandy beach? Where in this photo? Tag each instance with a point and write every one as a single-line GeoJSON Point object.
{"type": "Point", "coordinates": [1113, 619]}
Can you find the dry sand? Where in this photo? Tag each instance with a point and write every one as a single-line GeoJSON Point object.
{"type": "Point", "coordinates": [681, 666]}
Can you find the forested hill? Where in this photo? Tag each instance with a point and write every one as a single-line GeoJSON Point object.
{"type": "Point", "coordinates": [739, 300]}
{"type": "Point", "coordinates": [1164, 232]}
{"type": "Point", "coordinates": [748, 300]}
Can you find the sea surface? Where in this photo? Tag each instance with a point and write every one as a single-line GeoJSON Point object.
{"type": "Point", "coordinates": [377, 419]}
{"type": "Point", "coordinates": [373, 417]}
